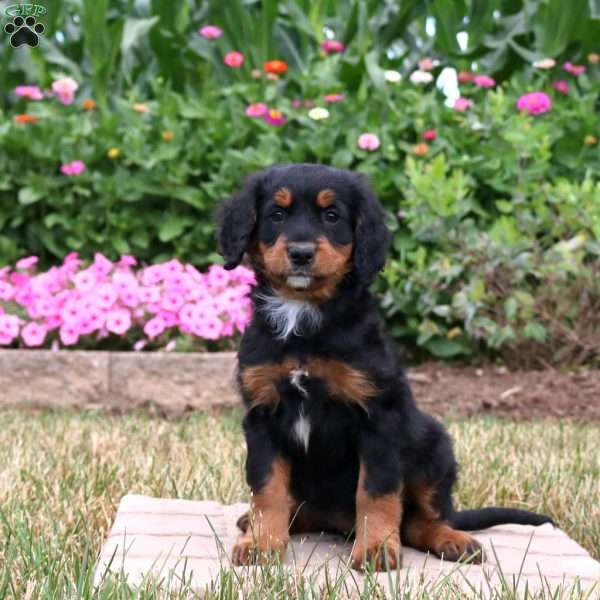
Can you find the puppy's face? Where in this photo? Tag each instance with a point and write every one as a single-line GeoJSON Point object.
{"type": "Point", "coordinates": [304, 228]}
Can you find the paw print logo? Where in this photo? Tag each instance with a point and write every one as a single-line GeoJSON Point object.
{"type": "Point", "coordinates": [24, 31]}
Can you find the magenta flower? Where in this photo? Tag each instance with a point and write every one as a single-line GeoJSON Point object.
{"type": "Point", "coordinates": [64, 89]}
{"type": "Point", "coordinates": [368, 141]}
{"type": "Point", "coordinates": [462, 104]}
{"type": "Point", "coordinates": [484, 81]}
{"type": "Point", "coordinates": [561, 85]}
{"type": "Point", "coordinates": [535, 103]}
{"type": "Point", "coordinates": [332, 46]}
{"type": "Point", "coordinates": [274, 117]}
{"type": "Point", "coordinates": [296, 103]}
{"type": "Point", "coordinates": [27, 262]}
{"type": "Point", "coordinates": [256, 110]}
{"type": "Point", "coordinates": [574, 69]}
{"type": "Point", "coordinates": [31, 92]}
{"type": "Point", "coordinates": [333, 98]}
{"type": "Point", "coordinates": [234, 59]}
{"type": "Point", "coordinates": [33, 334]}
{"type": "Point", "coordinates": [75, 167]}
{"type": "Point", "coordinates": [210, 32]}
{"type": "Point", "coordinates": [429, 135]}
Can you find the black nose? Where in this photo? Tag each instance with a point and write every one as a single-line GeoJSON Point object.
{"type": "Point", "coordinates": [301, 253]}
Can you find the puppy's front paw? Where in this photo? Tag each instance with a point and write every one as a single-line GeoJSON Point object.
{"type": "Point", "coordinates": [459, 546]}
{"type": "Point", "coordinates": [249, 551]}
{"type": "Point", "coordinates": [382, 557]}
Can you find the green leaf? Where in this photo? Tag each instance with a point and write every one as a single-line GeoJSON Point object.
{"type": "Point", "coordinates": [28, 195]}
{"type": "Point", "coordinates": [172, 227]}
{"type": "Point", "coordinates": [445, 348]}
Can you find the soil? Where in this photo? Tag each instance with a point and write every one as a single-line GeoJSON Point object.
{"type": "Point", "coordinates": [441, 390]}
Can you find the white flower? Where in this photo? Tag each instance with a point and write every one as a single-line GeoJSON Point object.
{"type": "Point", "coordinates": [545, 63]}
{"type": "Point", "coordinates": [318, 113]}
{"type": "Point", "coordinates": [392, 76]}
{"type": "Point", "coordinates": [421, 77]}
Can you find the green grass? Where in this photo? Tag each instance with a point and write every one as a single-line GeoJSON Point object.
{"type": "Point", "coordinates": [63, 474]}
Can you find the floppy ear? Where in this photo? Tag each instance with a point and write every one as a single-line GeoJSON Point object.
{"type": "Point", "coordinates": [236, 219]}
{"type": "Point", "coordinates": [371, 236]}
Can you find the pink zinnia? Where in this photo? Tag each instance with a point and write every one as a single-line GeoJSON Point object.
{"type": "Point", "coordinates": [561, 85]}
{"type": "Point", "coordinates": [574, 69]}
{"type": "Point", "coordinates": [462, 104]}
{"type": "Point", "coordinates": [535, 103]}
{"type": "Point", "coordinates": [75, 167]}
{"type": "Point", "coordinates": [210, 32]}
{"type": "Point", "coordinates": [28, 261]}
{"type": "Point", "coordinates": [31, 92]}
{"type": "Point", "coordinates": [368, 141]}
{"type": "Point", "coordinates": [484, 81]}
{"type": "Point", "coordinates": [333, 97]}
{"type": "Point", "coordinates": [256, 110]}
{"type": "Point", "coordinates": [332, 46]}
{"type": "Point", "coordinates": [234, 59]}
{"type": "Point", "coordinates": [118, 321]}
{"type": "Point", "coordinates": [274, 117]}
{"type": "Point", "coordinates": [33, 334]}
{"type": "Point", "coordinates": [430, 135]}
{"type": "Point", "coordinates": [65, 89]}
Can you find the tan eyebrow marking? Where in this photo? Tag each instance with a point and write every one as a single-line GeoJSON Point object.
{"type": "Point", "coordinates": [283, 197]}
{"type": "Point", "coordinates": [325, 198]}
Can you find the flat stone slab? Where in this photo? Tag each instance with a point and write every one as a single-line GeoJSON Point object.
{"type": "Point", "coordinates": [184, 540]}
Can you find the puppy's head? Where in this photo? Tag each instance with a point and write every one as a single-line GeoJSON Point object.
{"type": "Point", "coordinates": [304, 228]}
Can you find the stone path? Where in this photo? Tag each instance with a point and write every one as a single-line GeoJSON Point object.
{"type": "Point", "coordinates": [184, 539]}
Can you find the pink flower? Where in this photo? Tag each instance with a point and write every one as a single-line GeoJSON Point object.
{"type": "Point", "coordinates": [234, 59]}
{"type": "Point", "coordinates": [574, 69]}
{"type": "Point", "coordinates": [368, 141]}
{"type": "Point", "coordinates": [69, 334]}
{"type": "Point", "coordinates": [561, 85]}
{"type": "Point", "coordinates": [7, 291]}
{"type": "Point", "coordinates": [31, 92]}
{"type": "Point", "coordinates": [75, 167]}
{"type": "Point", "coordinates": [430, 135]}
{"type": "Point", "coordinates": [484, 81]}
{"type": "Point", "coordinates": [535, 103]}
{"type": "Point", "coordinates": [140, 345]}
{"type": "Point", "coordinates": [118, 321]}
{"type": "Point", "coordinates": [210, 32]}
{"type": "Point", "coordinates": [274, 117]}
{"type": "Point", "coordinates": [256, 110]}
{"type": "Point", "coordinates": [462, 104]}
{"type": "Point", "coordinates": [84, 280]}
{"type": "Point", "coordinates": [154, 327]}
{"type": "Point", "coordinates": [33, 334]}
{"type": "Point", "coordinates": [65, 89]}
{"type": "Point", "coordinates": [332, 46]}
{"type": "Point", "coordinates": [27, 262]}
{"type": "Point", "coordinates": [296, 103]}
{"type": "Point", "coordinates": [9, 325]}
{"type": "Point", "coordinates": [172, 301]}
{"type": "Point", "coordinates": [102, 266]}
{"type": "Point", "coordinates": [333, 97]}
{"type": "Point", "coordinates": [127, 261]}
{"type": "Point", "coordinates": [105, 296]}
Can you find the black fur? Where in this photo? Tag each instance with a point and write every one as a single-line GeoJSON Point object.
{"type": "Point", "coordinates": [397, 443]}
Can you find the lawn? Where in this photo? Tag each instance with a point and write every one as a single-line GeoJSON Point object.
{"type": "Point", "coordinates": [62, 475]}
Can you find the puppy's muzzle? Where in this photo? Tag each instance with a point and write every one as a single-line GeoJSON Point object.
{"type": "Point", "coordinates": [301, 254]}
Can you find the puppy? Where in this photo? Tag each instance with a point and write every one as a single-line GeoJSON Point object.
{"type": "Point", "coordinates": [335, 441]}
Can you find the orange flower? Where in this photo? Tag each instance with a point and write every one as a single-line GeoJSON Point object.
{"type": "Point", "coordinates": [88, 104]}
{"type": "Point", "coordinates": [167, 136]}
{"type": "Point", "coordinates": [26, 118]}
{"type": "Point", "coordinates": [594, 58]}
{"type": "Point", "coordinates": [141, 107]}
{"type": "Point", "coordinates": [590, 140]}
{"type": "Point", "coordinates": [278, 67]}
{"type": "Point", "coordinates": [421, 149]}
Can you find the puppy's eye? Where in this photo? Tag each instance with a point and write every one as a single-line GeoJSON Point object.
{"type": "Point", "coordinates": [277, 216]}
{"type": "Point", "coordinates": [330, 216]}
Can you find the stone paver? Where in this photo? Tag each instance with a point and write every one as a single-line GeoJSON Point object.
{"type": "Point", "coordinates": [174, 539]}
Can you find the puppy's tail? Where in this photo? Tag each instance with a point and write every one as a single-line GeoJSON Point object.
{"type": "Point", "coordinates": [470, 520]}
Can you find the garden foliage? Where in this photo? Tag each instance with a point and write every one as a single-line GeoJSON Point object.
{"type": "Point", "coordinates": [493, 197]}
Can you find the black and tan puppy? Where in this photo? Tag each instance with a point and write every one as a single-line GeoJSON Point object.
{"type": "Point", "coordinates": [335, 441]}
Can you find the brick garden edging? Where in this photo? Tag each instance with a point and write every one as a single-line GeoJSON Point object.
{"type": "Point", "coordinates": [116, 380]}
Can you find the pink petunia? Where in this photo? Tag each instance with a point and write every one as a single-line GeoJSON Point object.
{"type": "Point", "coordinates": [127, 261]}
{"type": "Point", "coordinates": [210, 32]}
{"type": "Point", "coordinates": [429, 135]}
{"type": "Point", "coordinates": [256, 110]}
{"type": "Point", "coordinates": [106, 296]}
{"type": "Point", "coordinates": [234, 59]}
{"type": "Point", "coordinates": [69, 334]}
{"type": "Point", "coordinates": [484, 81]}
{"type": "Point", "coordinates": [27, 262]}
{"type": "Point", "coordinates": [33, 334]}
{"type": "Point", "coordinates": [84, 280]}
{"type": "Point", "coordinates": [154, 327]}
{"type": "Point", "coordinates": [65, 89]}
{"type": "Point", "coordinates": [368, 141]}
{"type": "Point", "coordinates": [332, 46]}
{"type": "Point", "coordinates": [462, 104]}
{"type": "Point", "coordinates": [172, 302]}
{"type": "Point", "coordinates": [535, 103]}
{"type": "Point", "coordinates": [102, 266]}
{"type": "Point", "coordinates": [75, 167]}
{"type": "Point", "coordinates": [9, 325]}
{"type": "Point", "coordinates": [31, 92]}
{"type": "Point", "coordinates": [118, 321]}
{"type": "Point", "coordinates": [574, 69]}
{"type": "Point", "coordinates": [7, 291]}
{"type": "Point", "coordinates": [562, 86]}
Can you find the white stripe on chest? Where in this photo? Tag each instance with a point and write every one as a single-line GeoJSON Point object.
{"type": "Point", "coordinates": [301, 428]}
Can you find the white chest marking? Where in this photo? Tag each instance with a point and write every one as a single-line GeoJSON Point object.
{"type": "Point", "coordinates": [288, 316]}
{"type": "Point", "coordinates": [302, 430]}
